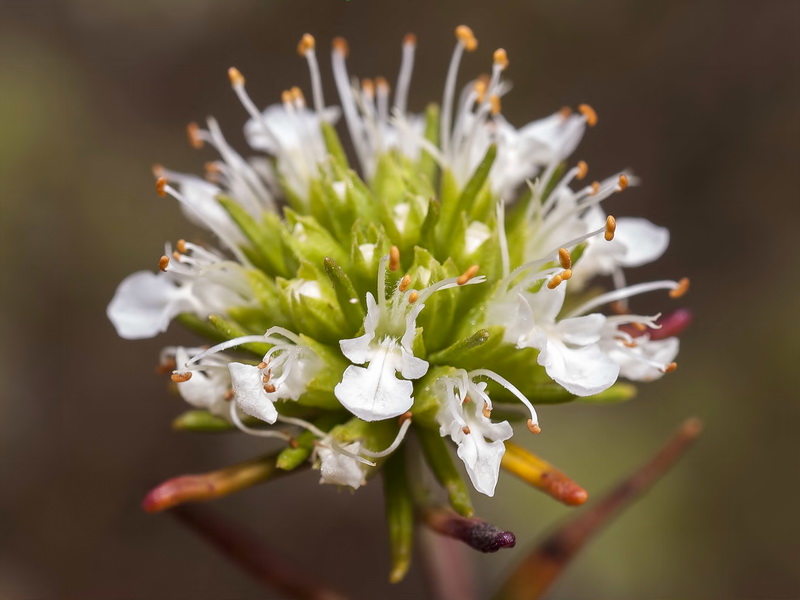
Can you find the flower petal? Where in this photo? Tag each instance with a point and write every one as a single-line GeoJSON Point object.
{"type": "Point", "coordinates": [374, 393]}
{"type": "Point", "coordinates": [482, 461]}
{"type": "Point", "coordinates": [248, 390]}
{"type": "Point", "coordinates": [581, 371]}
{"type": "Point", "coordinates": [340, 469]}
{"type": "Point", "coordinates": [144, 304]}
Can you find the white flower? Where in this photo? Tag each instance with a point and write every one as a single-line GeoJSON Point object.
{"type": "Point", "coordinates": [640, 358]}
{"type": "Point", "coordinates": [210, 384]}
{"type": "Point", "coordinates": [196, 281]}
{"type": "Point", "coordinates": [464, 416]}
{"type": "Point", "coordinates": [374, 393]}
{"type": "Point", "coordinates": [342, 466]}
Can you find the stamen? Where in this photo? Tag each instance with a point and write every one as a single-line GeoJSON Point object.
{"type": "Point", "coordinates": [406, 423]}
{"type": "Point", "coordinates": [487, 412]}
{"type": "Point", "coordinates": [269, 388]}
{"type": "Point", "coordinates": [161, 186]}
{"type": "Point", "coordinates": [564, 258]}
{"type": "Point", "coordinates": [465, 429]}
{"type": "Point", "coordinates": [228, 395]}
{"type": "Point", "coordinates": [566, 274]}
{"type": "Point", "coordinates": [405, 417]}
{"type": "Point", "coordinates": [589, 114]}
{"type": "Point", "coordinates": [394, 258]}
{"type": "Point", "coordinates": [565, 112]}
{"type": "Point", "coordinates": [494, 101]}
{"type": "Point", "coordinates": [297, 96]}
{"type": "Point", "coordinates": [670, 367]}
{"type": "Point", "coordinates": [404, 283]}
{"type": "Point", "coordinates": [167, 366]}
{"type": "Point", "coordinates": [257, 432]}
{"type": "Point", "coordinates": [595, 188]}
{"type": "Point", "coordinates": [611, 227]}
{"type": "Point", "coordinates": [622, 293]}
{"type": "Point", "coordinates": [480, 89]}
{"type": "Point", "coordinates": [501, 58]}
{"type": "Point", "coordinates": [235, 76]}
{"type": "Point", "coordinates": [262, 365]}
{"type": "Point", "coordinates": [467, 275]}
{"type": "Point", "coordinates": [683, 287]}
{"type": "Point", "coordinates": [623, 181]}
{"type": "Point", "coordinates": [413, 297]}
{"type": "Point", "coordinates": [406, 69]}
{"type": "Point", "coordinates": [583, 169]}
{"type": "Point", "coordinates": [158, 170]}
{"type": "Point", "coordinates": [466, 40]}
{"type": "Point", "coordinates": [533, 427]}
{"type": "Point", "coordinates": [306, 43]}
{"type": "Point", "coordinates": [639, 326]}
{"type": "Point", "coordinates": [341, 46]}
{"type": "Point", "coordinates": [163, 263]}
{"type": "Point", "coordinates": [181, 377]}
{"type": "Point", "coordinates": [193, 133]}
{"type": "Point", "coordinates": [181, 246]}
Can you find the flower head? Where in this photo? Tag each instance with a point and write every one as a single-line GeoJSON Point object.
{"type": "Point", "coordinates": [344, 303]}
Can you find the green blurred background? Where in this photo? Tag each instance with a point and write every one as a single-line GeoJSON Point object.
{"type": "Point", "coordinates": [700, 98]}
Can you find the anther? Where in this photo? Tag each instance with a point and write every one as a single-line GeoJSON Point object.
{"type": "Point", "coordinates": [564, 258]}
{"type": "Point", "coordinates": [611, 227]}
{"type": "Point", "coordinates": [410, 39]}
{"type": "Point", "coordinates": [293, 443]}
{"type": "Point", "coordinates": [368, 87]}
{"type": "Point", "coordinates": [466, 400]}
{"type": "Point", "coordinates": [554, 282]}
{"type": "Point", "coordinates": [262, 365]}
{"type": "Point", "coordinates": [583, 169]}
{"type": "Point", "coordinates": [168, 366]}
{"type": "Point", "coordinates": [501, 58]}
{"type": "Point", "coordinates": [269, 388]}
{"type": "Point", "coordinates": [341, 46]}
{"type": "Point", "coordinates": [480, 90]}
{"type": "Point", "coordinates": [494, 100]}
{"type": "Point", "coordinates": [306, 44]}
{"type": "Point", "coordinates": [163, 263]}
{"type": "Point", "coordinates": [589, 114]}
{"type": "Point", "coordinates": [161, 186]}
{"type": "Point", "coordinates": [297, 95]}
{"type": "Point", "coordinates": [639, 326]}
{"type": "Point", "coordinates": [212, 168]}
{"type": "Point", "coordinates": [394, 258]}
{"type": "Point", "coordinates": [683, 287]}
{"type": "Point", "coordinates": [618, 307]}
{"type": "Point", "coordinates": [533, 427]}
{"type": "Point", "coordinates": [413, 297]}
{"type": "Point", "coordinates": [177, 255]}
{"type": "Point", "coordinates": [565, 111]}
{"type": "Point", "coordinates": [487, 412]}
{"type": "Point", "coordinates": [406, 416]}
{"type": "Point", "coordinates": [286, 97]}
{"type": "Point", "coordinates": [566, 274]}
{"type": "Point", "coordinates": [228, 395]}
{"type": "Point", "coordinates": [670, 367]}
{"type": "Point", "coordinates": [629, 344]}
{"type": "Point", "coordinates": [465, 429]}
{"type": "Point", "coordinates": [404, 283]}
{"type": "Point", "coordinates": [382, 85]}
{"type": "Point", "coordinates": [236, 77]}
{"type": "Point", "coordinates": [466, 37]}
{"type": "Point", "coordinates": [158, 170]}
{"type": "Point", "coordinates": [595, 188]}
{"type": "Point", "coordinates": [180, 246]}
{"type": "Point", "coordinates": [623, 182]}
{"type": "Point", "coordinates": [467, 275]}
{"type": "Point", "coordinates": [181, 377]}
{"type": "Point", "coordinates": [193, 133]}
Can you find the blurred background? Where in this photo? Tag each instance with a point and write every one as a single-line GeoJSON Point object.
{"type": "Point", "coordinates": [700, 99]}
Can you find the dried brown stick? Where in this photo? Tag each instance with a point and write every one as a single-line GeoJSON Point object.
{"type": "Point", "coordinates": [243, 549]}
{"type": "Point", "coordinates": [531, 579]}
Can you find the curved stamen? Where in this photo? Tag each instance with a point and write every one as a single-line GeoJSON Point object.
{"type": "Point", "coordinates": [401, 434]}
{"type": "Point", "coordinates": [404, 76]}
{"type": "Point", "coordinates": [621, 294]}
{"type": "Point", "coordinates": [256, 432]}
{"type": "Point", "coordinates": [534, 424]}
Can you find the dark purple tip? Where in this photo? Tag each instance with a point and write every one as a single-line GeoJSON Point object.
{"type": "Point", "coordinates": [487, 538]}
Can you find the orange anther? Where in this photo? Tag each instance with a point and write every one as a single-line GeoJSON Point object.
{"type": "Point", "coordinates": [565, 111]}
{"type": "Point", "coordinates": [158, 170]}
{"type": "Point", "coordinates": [413, 297]}
{"type": "Point", "coordinates": [588, 112]}
{"type": "Point", "coordinates": [554, 282]}
{"type": "Point", "coordinates": [494, 100]}
{"type": "Point", "coordinates": [228, 395]}
{"type": "Point", "coordinates": [533, 427]}
{"type": "Point", "coordinates": [480, 90]}
{"type": "Point", "coordinates": [623, 181]}
{"type": "Point", "coordinates": [564, 258]}
{"type": "Point", "coordinates": [410, 39]}
{"type": "Point", "coordinates": [269, 388]}
{"type": "Point", "coordinates": [467, 275]}
{"type": "Point", "coordinates": [382, 85]}
{"type": "Point", "coordinates": [394, 258]}
{"type": "Point", "coordinates": [465, 429]}
{"type": "Point", "coordinates": [639, 326]}
{"type": "Point", "coordinates": [306, 44]}
{"type": "Point", "coordinates": [405, 417]}
{"type": "Point", "coordinates": [181, 246]}
{"type": "Point", "coordinates": [611, 227]}
{"type": "Point", "coordinates": [595, 188]}
{"type": "Point", "coordinates": [262, 365]}
{"type": "Point", "coordinates": [286, 97]}
{"type": "Point", "coordinates": [341, 46]}
{"type": "Point", "coordinates": [404, 283]}
{"type": "Point", "coordinates": [466, 37]}
{"type": "Point", "coordinates": [501, 58]}
{"type": "Point", "coordinates": [487, 412]}
{"type": "Point", "coordinates": [193, 133]}
{"type": "Point", "coordinates": [181, 377]}
{"type": "Point", "coordinates": [670, 367]}
{"type": "Point", "coordinates": [368, 87]}
{"type": "Point", "coordinates": [297, 95]}
{"type": "Point", "coordinates": [583, 169]}
{"type": "Point", "coordinates": [235, 76]}
{"type": "Point", "coordinates": [683, 287]}
{"type": "Point", "coordinates": [566, 274]}
{"type": "Point", "coordinates": [163, 263]}
{"type": "Point", "coordinates": [161, 186]}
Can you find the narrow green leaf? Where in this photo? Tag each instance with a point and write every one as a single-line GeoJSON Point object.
{"type": "Point", "coordinates": [441, 463]}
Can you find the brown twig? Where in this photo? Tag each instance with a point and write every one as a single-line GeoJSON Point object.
{"type": "Point", "coordinates": [474, 532]}
{"type": "Point", "coordinates": [531, 579]}
{"type": "Point", "coordinates": [248, 553]}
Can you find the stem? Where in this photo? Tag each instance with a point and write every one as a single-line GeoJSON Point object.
{"type": "Point", "coordinates": [531, 579]}
{"type": "Point", "coordinates": [248, 553]}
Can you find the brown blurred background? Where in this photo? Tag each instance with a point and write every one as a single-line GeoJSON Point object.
{"type": "Point", "coordinates": [700, 98]}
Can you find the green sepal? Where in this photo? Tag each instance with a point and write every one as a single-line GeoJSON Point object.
{"type": "Point", "coordinates": [426, 402]}
{"type": "Point", "coordinates": [349, 300]}
{"type": "Point", "coordinates": [468, 196]}
{"type": "Point", "coordinates": [438, 457]}
{"type": "Point", "coordinates": [320, 317]}
{"type": "Point", "coordinates": [201, 421]}
{"type": "Point", "coordinates": [310, 241]}
{"type": "Point", "coordinates": [232, 330]}
{"type": "Point", "coordinates": [319, 391]}
{"type": "Point", "coordinates": [252, 319]}
{"type": "Point", "coordinates": [267, 295]}
{"type": "Point", "coordinates": [440, 307]}
{"type": "Point", "coordinates": [427, 163]}
{"type": "Point", "coordinates": [454, 353]}
{"type": "Point", "coordinates": [201, 327]}
{"type": "Point", "coordinates": [362, 272]}
{"type": "Point", "coordinates": [333, 145]}
{"type": "Point", "coordinates": [428, 229]}
{"type": "Point", "coordinates": [266, 237]}
{"type": "Point", "coordinates": [399, 514]}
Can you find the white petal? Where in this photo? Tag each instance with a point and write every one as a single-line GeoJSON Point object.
{"type": "Point", "coordinates": [144, 304]}
{"type": "Point", "coordinates": [339, 469]}
{"type": "Point", "coordinates": [375, 393]}
{"type": "Point", "coordinates": [248, 390]}
{"type": "Point", "coordinates": [581, 371]}
{"type": "Point", "coordinates": [581, 331]}
{"type": "Point", "coordinates": [644, 242]}
{"type": "Point", "coordinates": [482, 461]}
